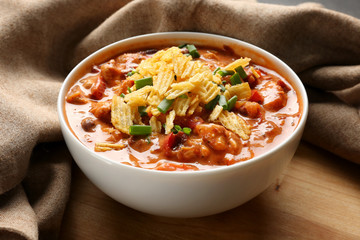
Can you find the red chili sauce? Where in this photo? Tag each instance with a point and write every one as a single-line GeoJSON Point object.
{"type": "Point", "coordinates": [273, 112]}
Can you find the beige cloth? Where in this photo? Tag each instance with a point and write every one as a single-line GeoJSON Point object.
{"type": "Point", "coordinates": [40, 41]}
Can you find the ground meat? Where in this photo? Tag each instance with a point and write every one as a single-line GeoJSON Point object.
{"type": "Point", "coordinates": [123, 87]}
{"type": "Point", "coordinates": [76, 96]}
{"type": "Point", "coordinates": [101, 110]}
{"type": "Point", "coordinates": [111, 71]}
{"type": "Point", "coordinates": [249, 109]}
{"type": "Point", "coordinates": [88, 82]}
{"type": "Point", "coordinates": [274, 96]}
{"type": "Point", "coordinates": [98, 89]}
{"type": "Point", "coordinates": [210, 56]}
{"type": "Point", "coordinates": [218, 138]}
{"type": "Point", "coordinates": [192, 149]}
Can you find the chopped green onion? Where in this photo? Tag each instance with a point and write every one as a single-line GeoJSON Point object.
{"type": "Point", "coordinates": [131, 73]}
{"type": "Point", "coordinates": [165, 105]}
{"type": "Point", "coordinates": [224, 82]}
{"type": "Point", "coordinates": [142, 111]}
{"type": "Point", "coordinates": [140, 130]}
{"type": "Point", "coordinates": [193, 51]}
{"type": "Point", "coordinates": [129, 90]}
{"type": "Point", "coordinates": [122, 95]}
{"type": "Point", "coordinates": [223, 89]}
{"type": "Point", "coordinates": [210, 105]}
{"type": "Point", "coordinates": [182, 45]}
{"type": "Point", "coordinates": [176, 129]}
{"type": "Point", "coordinates": [187, 130]}
{"type": "Point", "coordinates": [241, 72]}
{"type": "Point", "coordinates": [148, 140]}
{"type": "Point", "coordinates": [235, 79]}
{"type": "Point", "coordinates": [216, 70]}
{"type": "Point", "coordinates": [143, 82]}
{"type": "Point", "coordinates": [184, 96]}
{"type": "Point", "coordinates": [231, 102]}
{"type": "Point", "coordinates": [223, 102]}
{"type": "Point", "coordinates": [224, 73]}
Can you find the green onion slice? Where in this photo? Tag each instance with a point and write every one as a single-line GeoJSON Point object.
{"type": "Point", "coordinates": [142, 111]}
{"type": "Point", "coordinates": [223, 89]}
{"type": "Point", "coordinates": [129, 90]}
{"type": "Point", "coordinates": [131, 73]}
{"type": "Point", "coordinates": [140, 130]}
{"type": "Point", "coordinates": [122, 95]}
{"type": "Point", "coordinates": [216, 70]}
{"type": "Point", "coordinates": [210, 105]}
{"type": "Point", "coordinates": [177, 129]}
{"type": "Point", "coordinates": [193, 51]}
{"type": "Point", "coordinates": [184, 96]}
{"type": "Point", "coordinates": [224, 73]}
{"type": "Point", "coordinates": [182, 45]}
{"type": "Point", "coordinates": [241, 72]}
{"type": "Point", "coordinates": [140, 83]}
{"type": "Point", "coordinates": [235, 79]}
{"type": "Point", "coordinates": [231, 102]}
{"type": "Point", "coordinates": [222, 102]}
{"type": "Point", "coordinates": [187, 130]}
{"type": "Point", "coordinates": [165, 105]}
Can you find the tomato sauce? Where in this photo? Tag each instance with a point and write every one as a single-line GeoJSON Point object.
{"type": "Point", "coordinates": [273, 112]}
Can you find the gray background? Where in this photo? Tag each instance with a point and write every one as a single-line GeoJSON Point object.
{"type": "Point", "coordinates": [351, 7]}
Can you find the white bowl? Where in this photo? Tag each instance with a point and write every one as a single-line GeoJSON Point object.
{"type": "Point", "coordinates": [189, 193]}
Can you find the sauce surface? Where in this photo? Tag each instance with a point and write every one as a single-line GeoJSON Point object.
{"type": "Point", "coordinates": [272, 112]}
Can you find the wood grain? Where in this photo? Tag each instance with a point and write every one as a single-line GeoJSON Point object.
{"type": "Point", "coordinates": [318, 198]}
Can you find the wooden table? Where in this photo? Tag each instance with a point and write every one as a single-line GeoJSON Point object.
{"type": "Point", "coordinates": [318, 198]}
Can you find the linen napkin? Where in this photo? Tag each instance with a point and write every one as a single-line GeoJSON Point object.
{"type": "Point", "coordinates": [40, 41]}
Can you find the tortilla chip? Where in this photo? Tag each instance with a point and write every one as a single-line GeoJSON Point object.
{"type": "Point", "coordinates": [121, 114]}
{"type": "Point", "coordinates": [235, 123]}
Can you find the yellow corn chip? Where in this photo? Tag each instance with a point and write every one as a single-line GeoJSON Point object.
{"type": "Point", "coordinates": [154, 99]}
{"type": "Point", "coordinates": [254, 72]}
{"type": "Point", "coordinates": [164, 80]}
{"type": "Point", "coordinates": [178, 89]}
{"type": "Point", "coordinates": [180, 64]}
{"type": "Point", "coordinates": [235, 123]}
{"type": "Point", "coordinates": [135, 76]}
{"type": "Point", "coordinates": [240, 62]}
{"type": "Point", "coordinates": [155, 124]}
{"type": "Point", "coordinates": [216, 79]}
{"type": "Point", "coordinates": [169, 124]}
{"type": "Point", "coordinates": [136, 117]}
{"type": "Point", "coordinates": [242, 91]}
{"type": "Point", "coordinates": [138, 97]}
{"type": "Point", "coordinates": [154, 111]}
{"type": "Point", "coordinates": [186, 73]}
{"type": "Point", "coordinates": [121, 114]}
{"type": "Point", "coordinates": [103, 147]}
{"type": "Point", "coordinates": [195, 101]}
{"type": "Point", "coordinates": [181, 105]}
{"type": "Point", "coordinates": [169, 54]}
{"type": "Point", "coordinates": [215, 113]}
{"type": "Point", "coordinates": [206, 89]}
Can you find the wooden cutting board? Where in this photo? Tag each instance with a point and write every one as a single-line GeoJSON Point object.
{"type": "Point", "coordinates": [317, 197]}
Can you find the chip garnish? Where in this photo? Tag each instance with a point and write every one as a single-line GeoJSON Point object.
{"type": "Point", "coordinates": [188, 84]}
